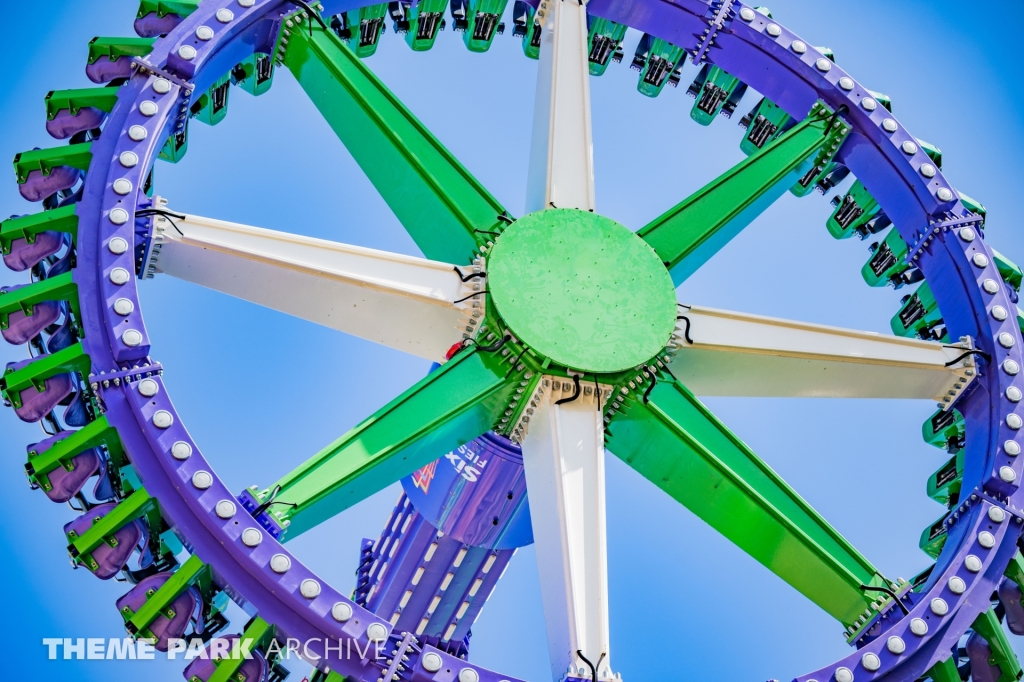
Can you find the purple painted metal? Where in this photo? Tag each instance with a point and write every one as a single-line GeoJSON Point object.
{"type": "Point", "coordinates": [63, 483]}
{"type": "Point", "coordinates": [153, 25]}
{"type": "Point", "coordinates": [38, 186]}
{"type": "Point", "coordinates": [21, 327]}
{"type": "Point", "coordinates": [110, 559]}
{"type": "Point", "coordinates": [36, 404]}
{"type": "Point", "coordinates": [1010, 596]}
{"type": "Point", "coordinates": [25, 254]}
{"type": "Point", "coordinates": [187, 608]}
{"type": "Point", "coordinates": [65, 124]}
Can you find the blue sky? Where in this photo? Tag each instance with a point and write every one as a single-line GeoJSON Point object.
{"type": "Point", "coordinates": [260, 392]}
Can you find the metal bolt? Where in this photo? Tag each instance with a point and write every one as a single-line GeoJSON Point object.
{"type": "Point", "coordinates": [431, 662]}
{"type": "Point", "coordinates": [927, 170]}
{"type": "Point", "coordinates": [137, 133]}
{"type": "Point", "coordinates": [1014, 421]}
{"type": "Point", "coordinates": [246, 3]}
{"type": "Point", "coordinates": [122, 186]}
{"type": "Point", "coordinates": [128, 159]}
{"type": "Point", "coordinates": [980, 259]}
{"type": "Point", "coordinates": [944, 194]}
{"type": "Point", "coordinates": [202, 480]}
{"type": "Point", "coordinates": [252, 537]}
{"type": "Point", "coordinates": [225, 15]}
{"type": "Point", "coordinates": [870, 661]}
{"type": "Point", "coordinates": [909, 147]}
{"type": "Point", "coordinates": [823, 64]}
{"type": "Point", "coordinates": [895, 645]}
{"type": "Point", "coordinates": [773, 30]}
{"type": "Point", "coordinates": [939, 606]}
{"type": "Point", "coordinates": [973, 563]}
{"type": "Point", "coordinates": [133, 338]}
{"type": "Point", "coordinates": [919, 627]}
{"type": "Point", "coordinates": [181, 450]}
{"type": "Point", "coordinates": [747, 14]}
{"type": "Point", "coordinates": [119, 216]}
{"type": "Point", "coordinates": [1009, 366]}
{"type": "Point", "coordinates": [843, 675]}
{"type": "Point", "coordinates": [799, 46]}
{"type": "Point", "coordinates": [148, 388]}
{"type": "Point", "coordinates": [889, 125]}
{"type": "Point", "coordinates": [161, 86]}
{"type": "Point", "coordinates": [162, 419]}
{"type": "Point", "coordinates": [1013, 394]}
{"type": "Point", "coordinates": [341, 611]}
{"type": "Point", "coordinates": [956, 585]}
{"type": "Point", "coordinates": [124, 306]}
{"type": "Point", "coordinates": [1007, 474]}
{"type": "Point", "coordinates": [187, 52]}
{"type": "Point", "coordinates": [996, 514]}
{"type": "Point", "coordinates": [1005, 340]}
{"type": "Point", "coordinates": [148, 108]}
{"type": "Point", "coordinates": [990, 285]}
{"type": "Point", "coordinates": [986, 539]}
{"type": "Point", "coordinates": [310, 589]}
{"type": "Point", "coordinates": [998, 311]}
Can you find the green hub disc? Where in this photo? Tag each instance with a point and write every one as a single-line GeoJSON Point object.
{"type": "Point", "coordinates": [582, 290]}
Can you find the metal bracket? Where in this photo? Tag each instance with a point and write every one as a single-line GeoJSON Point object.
{"type": "Point", "coordinates": [964, 371]}
{"type": "Point", "coordinates": [944, 225]}
{"type": "Point", "coordinates": [715, 23]}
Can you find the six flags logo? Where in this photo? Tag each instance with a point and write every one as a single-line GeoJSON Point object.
{"type": "Point", "coordinates": [466, 463]}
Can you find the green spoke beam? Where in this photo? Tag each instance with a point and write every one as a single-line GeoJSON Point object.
{"type": "Point", "coordinates": [676, 443]}
{"type": "Point", "coordinates": [445, 210]}
{"type": "Point", "coordinates": [689, 234]}
{"type": "Point", "coordinates": [448, 408]}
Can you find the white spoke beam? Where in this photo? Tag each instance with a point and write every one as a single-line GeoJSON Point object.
{"type": "Point", "coordinates": [736, 354]}
{"type": "Point", "coordinates": [561, 152]}
{"type": "Point", "coordinates": [563, 454]}
{"type": "Point", "coordinates": [399, 301]}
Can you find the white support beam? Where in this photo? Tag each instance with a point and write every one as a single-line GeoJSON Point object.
{"type": "Point", "coordinates": [563, 455]}
{"type": "Point", "coordinates": [399, 301]}
{"type": "Point", "coordinates": [737, 354]}
{"type": "Point", "coordinates": [561, 152]}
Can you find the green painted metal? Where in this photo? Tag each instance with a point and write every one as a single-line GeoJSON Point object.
{"type": "Point", "coordinates": [81, 547]}
{"type": "Point", "coordinates": [764, 123]}
{"type": "Point", "coordinates": [973, 205]}
{"type": "Point", "coordinates": [448, 408]}
{"type": "Point", "coordinates": [529, 29]}
{"type": "Point", "coordinates": [75, 100]}
{"type": "Point", "coordinates": [675, 442]}
{"type": "Point", "coordinates": [1015, 569]}
{"type": "Point", "coordinates": [1008, 270]}
{"type": "Point", "coordinates": [158, 601]}
{"type": "Point", "coordinates": [27, 227]}
{"type": "Point", "coordinates": [690, 233]}
{"type": "Point", "coordinates": [182, 8]}
{"type": "Point", "coordinates": [483, 22]}
{"type": "Point", "coordinates": [255, 75]}
{"type": "Point", "coordinates": [361, 28]}
{"type": "Point", "coordinates": [212, 106]}
{"type": "Point", "coordinates": [442, 206]}
{"type": "Point", "coordinates": [426, 20]}
{"type": "Point", "coordinates": [919, 316]}
{"type": "Point", "coordinates": [35, 374]}
{"type": "Point", "coordinates": [987, 625]}
{"type": "Point", "coordinates": [944, 430]}
{"type": "Point", "coordinates": [58, 288]}
{"type": "Point", "coordinates": [176, 146]}
{"type": "Point", "coordinates": [97, 433]}
{"type": "Point", "coordinates": [113, 48]}
{"type": "Point", "coordinates": [944, 671]}
{"type": "Point", "coordinates": [257, 635]}
{"type": "Point", "coordinates": [887, 261]}
{"type": "Point", "coordinates": [604, 43]}
{"type": "Point", "coordinates": [718, 92]}
{"type": "Point", "coordinates": [581, 290]}
{"type": "Point", "coordinates": [45, 160]}
{"type": "Point", "coordinates": [933, 538]}
{"type": "Point", "coordinates": [944, 483]}
{"type": "Point", "coordinates": [852, 213]}
{"type": "Point", "coordinates": [659, 68]}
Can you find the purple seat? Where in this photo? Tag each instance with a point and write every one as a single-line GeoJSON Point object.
{"type": "Point", "coordinates": [979, 652]}
{"type": "Point", "coordinates": [65, 124]}
{"type": "Point", "coordinates": [187, 608]}
{"type": "Point", "coordinates": [1010, 595]}
{"type": "Point", "coordinates": [129, 537]}
{"type": "Point", "coordinates": [153, 25]}
{"type": "Point", "coordinates": [24, 255]}
{"type": "Point", "coordinates": [37, 404]}
{"type": "Point", "coordinates": [103, 70]}
{"type": "Point", "coordinates": [254, 669]}
{"type": "Point", "coordinates": [61, 338]}
{"type": "Point", "coordinates": [64, 483]}
{"type": "Point", "coordinates": [22, 327]}
{"type": "Point", "coordinates": [38, 186]}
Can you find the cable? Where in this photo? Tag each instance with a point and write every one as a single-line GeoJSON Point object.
{"type": "Point", "coordinates": [466, 298]}
{"type": "Point", "coordinates": [988, 358]}
{"type": "Point", "coordinates": [496, 345]}
{"type": "Point", "coordinates": [654, 380]}
{"type": "Point", "coordinates": [516, 362]}
{"type": "Point", "coordinates": [593, 668]}
{"type": "Point", "coordinates": [686, 331]}
{"type": "Point", "coordinates": [270, 502]}
{"type": "Point", "coordinates": [574, 396]}
{"type": "Point", "coordinates": [312, 15]}
{"type": "Point", "coordinates": [466, 278]}
{"type": "Point", "coordinates": [890, 593]}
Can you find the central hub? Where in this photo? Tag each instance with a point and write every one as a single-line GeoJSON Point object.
{"type": "Point", "coordinates": [582, 290]}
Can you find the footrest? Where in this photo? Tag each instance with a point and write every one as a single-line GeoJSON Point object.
{"type": "Point", "coordinates": [103, 538]}
{"type": "Point", "coordinates": [26, 310]}
{"type": "Point", "coordinates": [74, 111]}
{"type": "Point", "coordinates": [162, 606]}
{"type": "Point", "coordinates": [44, 172]}
{"type": "Point", "coordinates": [26, 240]}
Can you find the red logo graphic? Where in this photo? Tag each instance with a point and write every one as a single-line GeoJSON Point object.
{"type": "Point", "coordinates": [422, 478]}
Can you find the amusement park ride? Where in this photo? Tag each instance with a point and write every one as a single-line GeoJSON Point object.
{"type": "Point", "coordinates": [557, 334]}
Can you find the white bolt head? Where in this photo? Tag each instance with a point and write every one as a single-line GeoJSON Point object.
{"type": "Point", "coordinates": [376, 632]}
{"type": "Point", "coordinates": [309, 588]}
{"type": "Point", "coordinates": [844, 675]}
{"type": "Point", "coordinates": [889, 125]}
{"type": "Point", "coordinates": [895, 645]}
{"type": "Point", "coordinates": [823, 64]}
{"type": "Point", "coordinates": [119, 216]}
{"type": "Point", "coordinates": [246, 3]}
{"type": "Point", "coordinates": [869, 104]}
{"type": "Point", "coordinates": [128, 159]}
{"type": "Point", "coordinates": [148, 388]}
{"type": "Point", "coordinates": [1007, 474]}
{"type": "Point", "coordinates": [117, 245]}
{"type": "Point", "coordinates": [1011, 448]}
{"type": "Point", "coordinates": [161, 86]}
{"type": "Point", "coordinates": [871, 662]}
{"type": "Point", "coordinates": [280, 563]}
{"type": "Point", "coordinates": [996, 514]}
{"type": "Point", "coordinates": [990, 285]}
{"type": "Point", "coordinates": [181, 450]}
{"type": "Point", "coordinates": [980, 259]}
{"type": "Point", "coordinates": [919, 627]}
{"type": "Point", "coordinates": [973, 563]}
{"type": "Point", "coordinates": [137, 133]}
{"type": "Point", "coordinates": [747, 14]}
{"type": "Point", "coordinates": [928, 170]}
{"type": "Point", "coordinates": [1014, 421]}
{"type": "Point", "coordinates": [119, 276]}
{"type": "Point", "coordinates": [148, 108]}
{"type": "Point", "coordinates": [1013, 394]}
{"type": "Point", "coordinates": [986, 539]}
{"type": "Point", "coordinates": [909, 147]}
{"type": "Point", "coordinates": [251, 537]}
{"type": "Point", "coordinates": [204, 33]}
{"type": "Point", "coordinates": [846, 83]}
{"type": "Point", "coordinates": [956, 585]}
{"type": "Point", "coordinates": [122, 186]}
{"type": "Point", "coordinates": [468, 675]}
{"type": "Point", "coordinates": [1009, 366]}
{"type": "Point", "coordinates": [202, 479]}
{"type": "Point", "coordinates": [124, 306]}
{"type": "Point", "coordinates": [944, 194]}
{"type": "Point", "coordinates": [225, 509]}
{"type": "Point", "coordinates": [187, 52]}
{"type": "Point", "coordinates": [774, 30]}
{"type": "Point", "coordinates": [939, 606]}
{"type": "Point", "coordinates": [1005, 340]}
{"type": "Point", "coordinates": [799, 46]}
{"type": "Point", "coordinates": [132, 338]}
{"type": "Point", "coordinates": [998, 311]}
{"type": "Point", "coordinates": [225, 15]}
{"type": "Point", "coordinates": [431, 662]}
{"type": "Point", "coordinates": [341, 611]}
{"type": "Point", "coordinates": [162, 419]}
